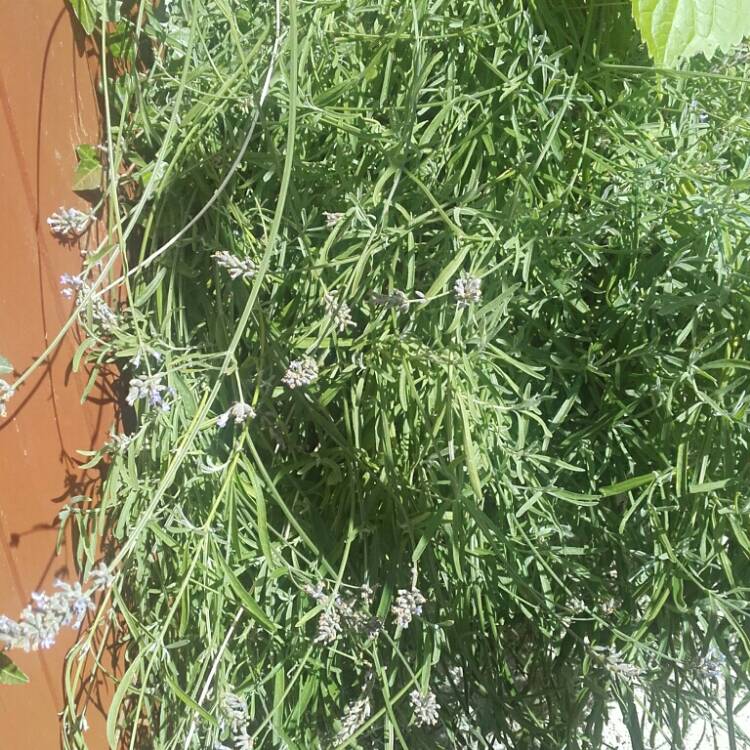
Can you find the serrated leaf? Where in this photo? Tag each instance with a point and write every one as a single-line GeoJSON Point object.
{"type": "Point", "coordinates": [10, 674]}
{"type": "Point", "coordinates": [674, 29]}
{"type": "Point", "coordinates": [88, 174]}
{"type": "Point", "coordinates": [85, 14]}
{"type": "Point", "coordinates": [5, 366]}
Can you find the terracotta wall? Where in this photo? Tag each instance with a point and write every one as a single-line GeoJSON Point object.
{"type": "Point", "coordinates": [47, 107]}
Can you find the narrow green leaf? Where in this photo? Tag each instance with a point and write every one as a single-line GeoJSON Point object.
{"type": "Point", "coordinates": [469, 453]}
{"type": "Point", "coordinates": [81, 349]}
{"type": "Point", "coordinates": [708, 486]}
{"type": "Point", "coordinates": [188, 701]}
{"type": "Point", "coordinates": [577, 498]}
{"type": "Point", "coordinates": [247, 600]}
{"type": "Point", "coordinates": [628, 484]}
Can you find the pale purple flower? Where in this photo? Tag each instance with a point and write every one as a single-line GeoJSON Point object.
{"type": "Point", "coordinates": [339, 312]}
{"type": "Point", "coordinates": [7, 391]}
{"type": "Point", "coordinates": [712, 665]}
{"type": "Point", "coordinates": [344, 613]}
{"type": "Point", "coordinates": [100, 577]}
{"type": "Point", "coordinates": [317, 592]}
{"type": "Point", "coordinates": [355, 715]}
{"type": "Point", "coordinates": [76, 286]}
{"type": "Point", "coordinates": [43, 619]}
{"type": "Point", "coordinates": [425, 707]}
{"type": "Point", "coordinates": [70, 285]}
{"type": "Point", "coordinates": [234, 710]}
{"type": "Point", "coordinates": [118, 444]}
{"type": "Point", "coordinates": [467, 290]}
{"type": "Point", "coordinates": [614, 663]}
{"type": "Point", "coordinates": [332, 218]}
{"type": "Point", "coordinates": [366, 594]}
{"type": "Point", "coordinates": [329, 626]}
{"type": "Point", "coordinates": [300, 372]}
{"type": "Point", "coordinates": [78, 603]}
{"type": "Point", "coordinates": [236, 267]}
{"type": "Point", "coordinates": [149, 387]}
{"type": "Point", "coordinates": [240, 412]}
{"type": "Point", "coordinates": [407, 605]}
{"type": "Point", "coordinates": [69, 223]}
{"type": "Point", "coordinates": [145, 352]}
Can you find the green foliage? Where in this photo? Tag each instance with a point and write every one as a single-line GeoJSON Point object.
{"type": "Point", "coordinates": [10, 674]}
{"type": "Point", "coordinates": [88, 172]}
{"type": "Point", "coordinates": [673, 29]}
{"type": "Point", "coordinates": [90, 12]}
{"type": "Point", "coordinates": [560, 468]}
{"type": "Point", "coordinates": [85, 13]}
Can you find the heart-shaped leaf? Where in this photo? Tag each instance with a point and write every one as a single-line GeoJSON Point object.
{"type": "Point", "coordinates": [88, 174]}
{"type": "Point", "coordinates": [673, 29]}
{"type": "Point", "coordinates": [84, 14]}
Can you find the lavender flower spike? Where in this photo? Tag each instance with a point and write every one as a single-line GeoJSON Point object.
{"type": "Point", "coordinates": [425, 708]}
{"type": "Point", "coordinates": [467, 290]}
{"type": "Point", "coordinates": [151, 388]}
{"type": "Point", "coordinates": [332, 218]}
{"type": "Point", "coordinates": [100, 577]}
{"type": "Point", "coordinates": [69, 223]}
{"type": "Point", "coordinates": [339, 312]}
{"type": "Point", "coordinates": [300, 372]}
{"type": "Point", "coordinates": [41, 622]}
{"type": "Point", "coordinates": [7, 391]}
{"type": "Point", "coordinates": [240, 412]}
{"type": "Point", "coordinates": [329, 626]}
{"type": "Point", "coordinates": [235, 266]}
{"type": "Point", "coordinates": [407, 605]}
{"type": "Point", "coordinates": [355, 714]}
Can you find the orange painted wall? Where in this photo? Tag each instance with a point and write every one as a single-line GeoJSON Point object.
{"type": "Point", "coordinates": [47, 107]}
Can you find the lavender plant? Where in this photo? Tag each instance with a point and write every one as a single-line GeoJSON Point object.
{"type": "Point", "coordinates": [532, 444]}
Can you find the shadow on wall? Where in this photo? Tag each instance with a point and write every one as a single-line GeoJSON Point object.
{"type": "Point", "coordinates": [48, 106]}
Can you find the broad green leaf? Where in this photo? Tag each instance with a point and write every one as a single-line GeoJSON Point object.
{"type": "Point", "coordinates": [10, 674]}
{"type": "Point", "coordinates": [85, 14]}
{"type": "Point", "coordinates": [120, 41]}
{"type": "Point", "coordinates": [674, 29]}
{"type": "Point", "coordinates": [110, 9]}
{"type": "Point", "coordinates": [88, 174]}
{"type": "Point", "coordinates": [5, 366]}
